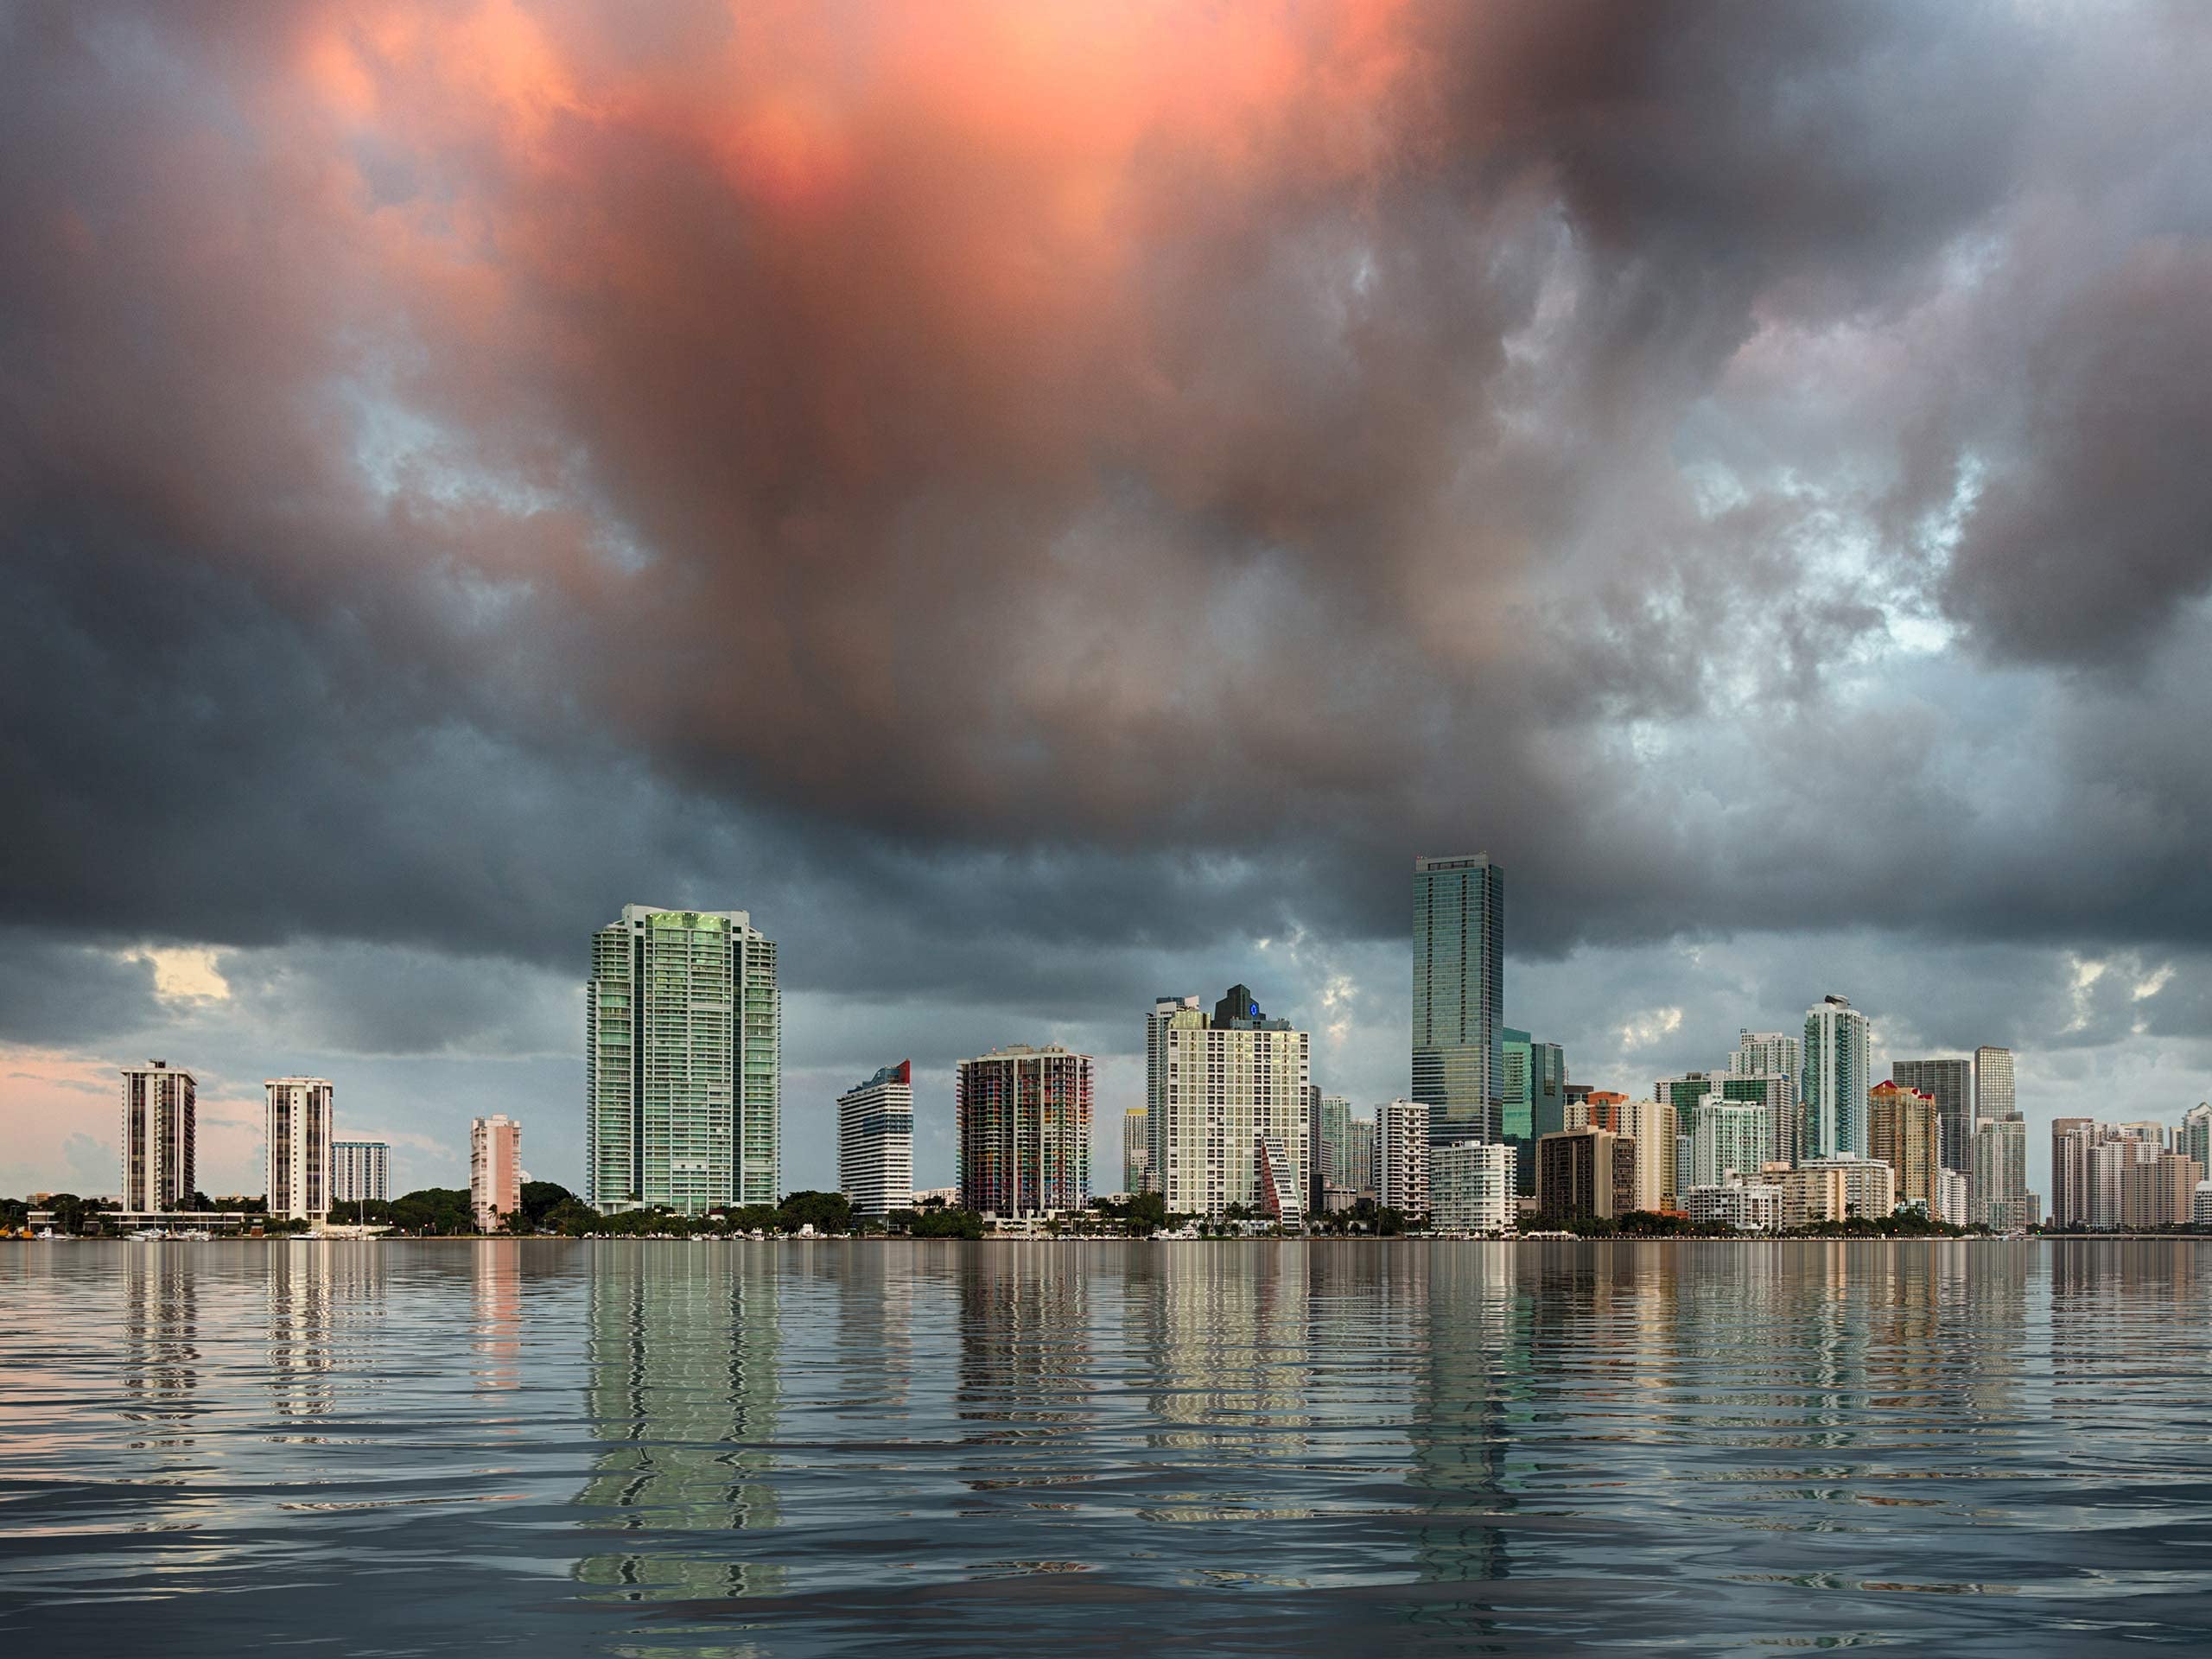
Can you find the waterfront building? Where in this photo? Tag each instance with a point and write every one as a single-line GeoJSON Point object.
{"type": "Point", "coordinates": [1949, 1083]}
{"type": "Point", "coordinates": [1954, 1199]}
{"type": "Point", "coordinates": [1605, 1109]}
{"type": "Point", "coordinates": [2157, 1191]}
{"type": "Point", "coordinates": [1535, 1099]}
{"type": "Point", "coordinates": [494, 1169]}
{"type": "Point", "coordinates": [939, 1198]}
{"type": "Point", "coordinates": [1359, 1155]}
{"type": "Point", "coordinates": [1401, 1152]}
{"type": "Point", "coordinates": [1777, 1092]}
{"type": "Point", "coordinates": [1022, 1117]}
{"type": "Point", "coordinates": [1906, 1131]}
{"type": "Point", "coordinates": [1585, 1173]}
{"type": "Point", "coordinates": [2200, 1205]}
{"type": "Point", "coordinates": [875, 1141]}
{"type": "Point", "coordinates": [2072, 1139]}
{"type": "Point", "coordinates": [1218, 1088]}
{"type": "Point", "coordinates": [1662, 1168]}
{"type": "Point", "coordinates": [2109, 1160]}
{"type": "Point", "coordinates": [1458, 1014]}
{"type": "Point", "coordinates": [1136, 1152]}
{"type": "Point", "coordinates": [159, 1162]}
{"type": "Point", "coordinates": [683, 1062]}
{"type": "Point", "coordinates": [2194, 1140]}
{"type": "Point", "coordinates": [360, 1172]}
{"type": "Point", "coordinates": [295, 1158]}
{"type": "Point", "coordinates": [1328, 1159]}
{"type": "Point", "coordinates": [1835, 1080]}
{"type": "Point", "coordinates": [1471, 1188]}
{"type": "Point", "coordinates": [1834, 1189]}
{"type": "Point", "coordinates": [1753, 1206]}
{"type": "Point", "coordinates": [1726, 1137]}
{"type": "Point", "coordinates": [2000, 1167]}
{"type": "Point", "coordinates": [1992, 1084]}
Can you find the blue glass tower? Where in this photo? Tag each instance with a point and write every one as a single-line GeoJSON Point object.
{"type": "Point", "coordinates": [1459, 1058]}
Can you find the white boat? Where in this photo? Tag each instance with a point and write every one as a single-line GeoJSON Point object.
{"type": "Point", "coordinates": [148, 1235]}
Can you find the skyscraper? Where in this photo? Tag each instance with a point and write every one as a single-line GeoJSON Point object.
{"type": "Point", "coordinates": [2072, 1141]}
{"type": "Point", "coordinates": [1999, 1182]}
{"type": "Point", "coordinates": [1023, 1119]}
{"type": "Point", "coordinates": [1136, 1152]}
{"type": "Point", "coordinates": [1993, 1083]}
{"type": "Point", "coordinates": [494, 1169]}
{"type": "Point", "coordinates": [296, 1156]}
{"type": "Point", "coordinates": [683, 1062]}
{"type": "Point", "coordinates": [1949, 1083]}
{"type": "Point", "coordinates": [1726, 1136]}
{"type": "Point", "coordinates": [1759, 1052]}
{"type": "Point", "coordinates": [2194, 1138]}
{"type": "Point", "coordinates": [1225, 1105]}
{"type": "Point", "coordinates": [1835, 1080]}
{"type": "Point", "coordinates": [1904, 1129]}
{"type": "Point", "coordinates": [875, 1141]}
{"type": "Point", "coordinates": [1331, 1149]}
{"type": "Point", "coordinates": [1402, 1141]}
{"type": "Point", "coordinates": [160, 1108]}
{"type": "Point", "coordinates": [1534, 1098]}
{"type": "Point", "coordinates": [1458, 1061]}
{"type": "Point", "coordinates": [360, 1172]}
{"type": "Point", "coordinates": [1359, 1155]}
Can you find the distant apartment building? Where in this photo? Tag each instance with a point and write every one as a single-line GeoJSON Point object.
{"type": "Point", "coordinates": [1401, 1154]}
{"type": "Point", "coordinates": [1329, 1146]}
{"type": "Point", "coordinates": [2072, 1139]}
{"type": "Point", "coordinates": [1836, 1076]}
{"type": "Point", "coordinates": [2200, 1205]}
{"type": "Point", "coordinates": [1022, 1115]}
{"type": "Point", "coordinates": [683, 1062]}
{"type": "Point", "coordinates": [875, 1141]}
{"type": "Point", "coordinates": [1954, 1199]}
{"type": "Point", "coordinates": [1359, 1155]}
{"type": "Point", "coordinates": [494, 1169]}
{"type": "Point", "coordinates": [160, 1160]}
{"type": "Point", "coordinates": [1727, 1137]}
{"type": "Point", "coordinates": [1585, 1173]}
{"type": "Point", "coordinates": [1471, 1188]}
{"type": "Point", "coordinates": [2194, 1139]}
{"type": "Point", "coordinates": [1949, 1083]}
{"type": "Point", "coordinates": [1458, 1014]}
{"type": "Point", "coordinates": [1662, 1166]}
{"type": "Point", "coordinates": [1906, 1131]}
{"type": "Point", "coordinates": [1535, 1098]}
{"type": "Point", "coordinates": [360, 1172]}
{"type": "Point", "coordinates": [1834, 1189]}
{"type": "Point", "coordinates": [1768, 1066]}
{"type": "Point", "coordinates": [1992, 1084]}
{"type": "Point", "coordinates": [1753, 1206]}
{"type": "Point", "coordinates": [2158, 1190]}
{"type": "Point", "coordinates": [295, 1124]}
{"type": "Point", "coordinates": [1999, 1173]}
{"type": "Point", "coordinates": [1225, 1105]}
{"type": "Point", "coordinates": [1136, 1152]}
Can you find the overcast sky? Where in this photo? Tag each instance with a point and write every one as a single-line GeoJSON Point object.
{"type": "Point", "coordinates": [1048, 506]}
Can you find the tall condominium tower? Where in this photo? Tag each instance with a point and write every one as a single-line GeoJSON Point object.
{"type": "Point", "coordinates": [1402, 1132]}
{"type": "Point", "coordinates": [1949, 1083]}
{"type": "Point", "coordinates": [1534, 1098]}
{"type": "Point", "coordinates": [683, 1062]}
{"type": "Point", "coordinates": [1904, 1130]}
{"type": "Point", "coordinates": [1023, 1117]}
{"type": "Point", "coordinates": [1329, 1158]}
{"type": "Point", "coordinates": [296, 1160]}
{"type": "Point", "coordinates": [2072, 1139]}
{"type": "Point", "coordinates": [875, 1141]}
{"type": "Point", "coordinates": [1769, 1066]}
{"type": "Point", "coordinates": [1993, 1083]}
{"type": "Point", "coordinates": [2000, 1185]}
{"type": "Point", "coordinates": [360, 1172]}
{"type": "Point", "coordinates": [494, 1169]}
{"type": "Point", "coordinates": [1758, 1052]}
{"type": "Point", "coordinates": [1136, 1152]}
{"type": "Point", "coordinates": [2194, 1138]}
{"type": "Point", "coordinates": [1459, 1056]}
{"type": "Point", "coordinates": [160, 1103]}
{"type": "Point", "coordinates": [1726, 1136]}
{"type": "Point", "coordinates": [1359, 1155]}
{"type": "Point", "coordinates": [1225, 1106]}
{"type": "Point", "coordinates": [1835, 1080]}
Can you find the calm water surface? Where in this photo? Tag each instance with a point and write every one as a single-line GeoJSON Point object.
{"type": "Point", "coordinates": [814, 1449]}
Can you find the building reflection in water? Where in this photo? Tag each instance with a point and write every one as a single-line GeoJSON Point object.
{"type": "Point", "coordinates": [1025, 1342]}
{"type": "Point", "coordinates": [1222, 1330]}
{"type": "Point", "coordinates": [681, 1389]}
{"type": "Point", "coordinates": [161, 1339]}
{"type": "Point", "coordinates": [495, 1307]}
{"type": "Point", "coordinates": [300, 1359]}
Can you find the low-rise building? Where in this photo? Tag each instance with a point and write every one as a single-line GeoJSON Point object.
{"type": "Point", "coordinates": [1471, 1188]}
{"type": "Point", "coordinates": [1748, 1206]}
{"type": "Point", "coordinates": [1587, 1172]}
{"type": "Point", "coordinates": [1836, 1188]}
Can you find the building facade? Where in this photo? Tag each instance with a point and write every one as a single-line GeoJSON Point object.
{"type": "Point", "coordinates": [875, 1141]}
{"type": "Point", "coordinates": [1535, 1098]}
{"type": "Point", "coordinates": [2158, 1190]}
{"type": "Point", "coordinates": [2000, 1175]}
{"type": "Point", "coordinates": [360, 1172]}
{"type": "Point", "coordinates": [1748, 1206]}
{"type": "Point", "coordinates": [1401, 1150]}
{"type": "Point", "coordinates": [1471, 1188]}
{"type": "Point", "coordinates": [1022, 1116]}
{"type": "Point", "coordinates": [1992, 1084]}
{"type": "Point", "coordinates": [1136, 1153]}
{"type": "Point", "coordinates": [494, 1169]}
{"type": "Point", "coordinates": [1329, 1153]}
{"type": "Point", "coordinates": [160, 1127]}
{"type": "Point", "coordinates": [1458, 1024]}
{"type": "Point", "coordinates": [295, 1159]}
{"type": "Point", "coordinates": [1836, 1081]}
{"type": "Point", "coordinates": [1905, 1130]}
{"type": "Point", "coordinates": [1954, 1199]}
{"type": "Point", "coordinates": [2194, 1138]}
{"type": "Point", "coordinates": [1949, 1083]}
{"type": "Point", "coordinates": [1727, 1137]}
{"type": "Point", "coordinates": [683, 1062]}
{"type": "Point", "coordinates": [1834, 1189]}
{"type": "Point", "coordinates": [1589, 1173]}
{"type": "Point", "coordinates": [1661, 1170]}
{"type": "Point", "coordinates": [1359, 1155]}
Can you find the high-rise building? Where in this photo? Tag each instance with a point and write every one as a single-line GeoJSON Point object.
{"type": "Point", "coordinates": [875, 1141]}
{"type": "Point", "coordinates": [2157, 1191]}
{"type": "Point", "coordinates": [2000, 1170]}
{"type": "Point", "coordinates": [2072, 1139]}
{"type": "Point", "coordinates": [1359, 1155]}
{"type": "Point", "coordinates": [360, 1172]}
{"type": "Point", "coordinates": [1402, 1150]}
{"type": "Point", "coordinates": [1023, 1118]}
{"type": "Point", "coordinates": [494, 1169]}
{"type": "Point", "coordinates": [1470, 1187]}
{"type": "Point", "coordinates": [1224, 1102]}
{"type": "Point", "coordinates": [1760, 1053]}
{"type": "Point", "coordinates": [1329, 1154]}
{"type": "Point", "coordinates": [1727, 1137]}
{"type": "Point", "coordinates": [1769, 1066]}
{"type": "Point", "coordinates": [160, 1167]}
{"type": "Point", "coordinates": [1835, 1080]}
{"type": "Point", "coordinates": [1533, 1101]}
{"type": "Point", "coordinates": [1906, 1131]}
{"type": "Point", "coordinates": [2194, 1138]}
{"type": "Point", "coordinates": [296, 1158]}
{"type": "Point", "coordinates": [2200, 1205]}
{"type": "Point", "coordinates": [1949, 1083]}
{"type": "Point", "coordinates": [1654, 1126]}
{"type": "Point", "coordinates": [1458, 1058]}
{"type": "Point", "coordinates": [683, 1062]}
{"type": "Point", "coordinates": [1585, 1173]}
{"type": "Point", "coordinates": [1136, 1153]}
{"type": "Point", "coordinates": [1954, 1199]}
{"type": "Point", "coordinates": [1993, 1083]}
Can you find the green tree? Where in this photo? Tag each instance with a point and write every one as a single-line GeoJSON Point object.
{"type": "Point", "coordinates": [541, 1198]}
{"type": "Point", "coordinates": [828, 1212]}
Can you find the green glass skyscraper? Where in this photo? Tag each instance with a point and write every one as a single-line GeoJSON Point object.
{"type": "Point", "coordinates": [1458, 1060]}
{"type": "Point", "coordinates": [683, 1062]}
{"type": "Point", "coordinates": [1535, 1098]}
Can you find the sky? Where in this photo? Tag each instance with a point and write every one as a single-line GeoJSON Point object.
{"type": "Point", "coordinates": [1049, 506]}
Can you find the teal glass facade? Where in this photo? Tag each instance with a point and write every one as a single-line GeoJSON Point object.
{"type": "Point", "coordinates": [1459, 1025]}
